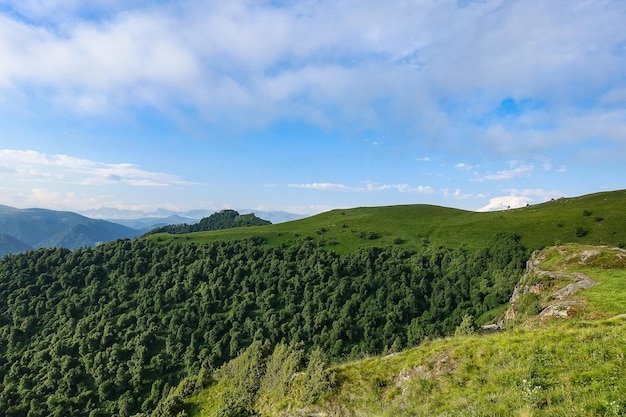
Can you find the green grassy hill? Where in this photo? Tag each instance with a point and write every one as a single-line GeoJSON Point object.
{"type": "Point", "coordinates": [537, 367]}
{"type": "Point", "coordinates": [598, 219]}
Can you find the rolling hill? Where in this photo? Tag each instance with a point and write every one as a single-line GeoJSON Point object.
{"type": "Point", "coordinates": [597, 219]}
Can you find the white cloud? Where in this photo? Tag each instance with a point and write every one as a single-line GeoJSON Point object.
{"type": "Point", "coordinates": [457, 194]}
{"type": "Point", "coordinates": [326, 62]}
{"type": "Point", "coordinates": [369, 187]}
{"type": "Point", "coordinates": [466, 167]}
{"type": "Point", "coordinates": [32, 166]}
{"type": "Point", "coordinates": [517, 170]}
{"type": "Point", "coordinates": [506, 202]}
{"type": "Point", "coordinates": [519, 198]}
{"type": "Point", "coordinates": [326, 186]}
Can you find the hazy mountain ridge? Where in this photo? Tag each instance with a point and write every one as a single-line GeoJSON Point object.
{"type": "Point", "coordinates": [148, 223]}
{"type": "Point", "coordinates": [39, 228]}
{"type": "Point", "coordinates": [9, 244]}
{"type": "Point", "coordinates": [143, 219]}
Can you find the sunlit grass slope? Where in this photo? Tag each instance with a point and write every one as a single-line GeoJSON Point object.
{"type": "Point", "coordinates": [554, 367]}
{"type": "Point", "coordinates": [591, 219]}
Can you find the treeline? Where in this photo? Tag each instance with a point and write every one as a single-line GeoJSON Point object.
{"type": "Point", "coordinates": [225, 219]}
{"type": "Point", "coordinates": [110, 330]}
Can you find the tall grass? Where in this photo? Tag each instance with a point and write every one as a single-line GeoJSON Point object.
{"type": "Point", "coordinates": [556, 370]}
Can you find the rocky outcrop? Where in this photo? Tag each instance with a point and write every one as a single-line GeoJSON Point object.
{"type": "Point", "coordinates": [557, 285]}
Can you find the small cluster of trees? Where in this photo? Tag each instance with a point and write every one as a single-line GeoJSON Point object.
{"type": "Point", "coordinates": [225, 219]}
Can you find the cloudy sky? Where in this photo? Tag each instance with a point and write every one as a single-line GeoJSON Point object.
{"type": "Point", "coordinates": [309, 105]}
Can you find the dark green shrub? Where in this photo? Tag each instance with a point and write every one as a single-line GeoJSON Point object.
{"type": "Point", "coordinates": [528, 305]}
{"type": "Point", "coordinates": [369, 235]}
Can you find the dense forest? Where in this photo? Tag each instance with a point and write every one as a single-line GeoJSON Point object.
{"type": "Point", "coordinates": [109, 330]}
{"type": "Point", "coordinates": [225, 219]}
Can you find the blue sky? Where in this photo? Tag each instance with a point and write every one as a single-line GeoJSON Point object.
{"type": "Point", "coordinates": [306, 106]}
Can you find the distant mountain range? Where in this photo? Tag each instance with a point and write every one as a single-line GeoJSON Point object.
{"type": "Point", "coordinates": [26, 229]}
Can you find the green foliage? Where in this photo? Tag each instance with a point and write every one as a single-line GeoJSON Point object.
{"type": "Point", "coordinates": [466, 327]}
{"type": "Point", "coordinates": [240, 379]}
{"type": "Point", "coordinates": [258, 383]}
{"type": "Point", "coordinates": [170, 406]}
{"type": "Point", "coordinates": [528, 305]}
{"type": "Point", "coordinates": [280, 371]}
{"type": "Point", "coordinates": [369, 235]}
{"type": "Point", "coordinates": [580, 232]}
{"type": "Point", "coordinates": [316, 380]}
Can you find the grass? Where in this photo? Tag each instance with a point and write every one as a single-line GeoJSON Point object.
{"type": "Point", "coordinates": [554, 371]}
{"type": "Point", "coordinates": [610, 296]}
{"type": "Point", "coordinates": [600, 216]}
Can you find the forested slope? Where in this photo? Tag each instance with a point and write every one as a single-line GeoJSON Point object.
{"type": "Point", "coordinates": [107, 331]}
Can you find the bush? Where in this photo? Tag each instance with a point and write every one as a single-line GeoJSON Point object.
{"type": "Point", "coordinates": [528, 305]}
{"type": "Point", "coordinates": [315, 380]}
{"type": "Point", "coordinates": [171, 406]}
{"type": "Point", "coordinates": [241, 378]}
{"type": "Point", "coordinates": [369, 235]}
{"type": "Point", "coordinates": [280, 369]}
{"type": "Point", "coordinates": [466, 327]}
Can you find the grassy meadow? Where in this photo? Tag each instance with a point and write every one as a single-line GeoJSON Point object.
{"type": "Point", "coordinates": [597, 219]}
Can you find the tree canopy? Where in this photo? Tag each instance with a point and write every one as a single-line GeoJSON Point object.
{"type": "Point", "coordinates": [109, 330]}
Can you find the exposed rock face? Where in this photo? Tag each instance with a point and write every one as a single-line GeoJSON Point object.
{"type": "Point", "coordinates": [561, 302]}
